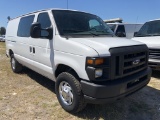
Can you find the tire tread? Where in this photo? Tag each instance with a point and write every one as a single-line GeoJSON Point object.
{"type": "Point", "coordinates": [18, 66]}
{"type": "Point", "coordinates": [82, 103]}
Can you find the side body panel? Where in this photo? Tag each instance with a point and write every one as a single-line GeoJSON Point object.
{"type": "Point", "coordinates": [43, 54]}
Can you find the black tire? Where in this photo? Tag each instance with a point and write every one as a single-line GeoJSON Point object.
{"type": "Point", "coordinates": [78, 102]}
{"type": "Point", "coordinates": [15, 65]}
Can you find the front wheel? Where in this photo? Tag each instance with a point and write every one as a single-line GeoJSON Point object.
{"type": "Point", "coordinates": [69, 93]}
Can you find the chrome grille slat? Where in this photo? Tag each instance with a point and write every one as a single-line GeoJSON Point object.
{"type": "Point", "coordinates": [141, 57]}
{"type": "Point", "coordinates": [154, 54]}
{"type": "Point", "coordinates": [134, 66]}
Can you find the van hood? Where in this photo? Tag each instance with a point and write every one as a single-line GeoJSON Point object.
{"type": "Point", "coordinates": [153, 41]}
{"type": "Point", "coordinates": [102, 45]}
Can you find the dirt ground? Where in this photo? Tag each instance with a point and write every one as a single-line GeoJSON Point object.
{"type": "Point", "coordinates": [30, 96]}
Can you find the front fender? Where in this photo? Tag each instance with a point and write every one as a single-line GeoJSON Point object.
{"type": "Point", "coordinates": [76, 62]}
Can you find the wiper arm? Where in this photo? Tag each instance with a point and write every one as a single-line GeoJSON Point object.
{"type": "Point", "coordinates": [73, 30]}
{"type": "Point", "coordinates": [141, 35]}
{"type": "Point", "coordinates": [77, 31]}
{"type": "Point", "coordinates": [103, 31]}
{"type": "Point", "coordinates": [144, 35]}
{"type": "Point", "coordinates": [154, 34]}
{"type": "Point", "coordinates": [93, 33]}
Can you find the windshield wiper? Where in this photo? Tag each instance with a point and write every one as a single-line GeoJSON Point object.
{"type": "Point", "coordinates": [154, 34]}
{"type": "Point", "coordinates": [73, 30]}
{"type": "Point", "coordinates": [103, 32]}
{"type": "Point", "coordinates": [141, 35]}
{"type": "Point", "coordinates": [144, 35]}
{"type": "Point", "coordinates": [93, 33]}
{"type": "Point", "coordinates": [80, 32]}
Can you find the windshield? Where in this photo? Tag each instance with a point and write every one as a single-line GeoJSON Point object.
{"type": "Point", "coordinates": [74, 24]}
{"type": "Point", "coordinates": [150, 29]}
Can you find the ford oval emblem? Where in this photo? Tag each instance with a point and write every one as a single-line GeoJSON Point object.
{"type": "Point", "coordinates": [136, 62]}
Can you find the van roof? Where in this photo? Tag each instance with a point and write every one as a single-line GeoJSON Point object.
{"type": "Point", "coordinates": [154, 20]}
{"type": "Point", "coordinates": [115, 20]}
{"type": "Point", "coordinates": [125, 23]}
{"type": "Point", "coordinates": [46, 10]}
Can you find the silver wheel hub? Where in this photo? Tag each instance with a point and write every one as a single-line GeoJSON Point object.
{"type": "Point", "coordinates": [13, 63]}
{"type": "Point", "coordinates": [65, 92]}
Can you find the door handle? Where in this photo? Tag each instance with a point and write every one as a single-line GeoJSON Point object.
{"type": "Point", "coordinates": [34, 50]}
{"type": "Point", "coordinates": [30, 49]}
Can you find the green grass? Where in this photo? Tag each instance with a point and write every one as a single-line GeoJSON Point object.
{"type": "Point", "coordinates": [2, 48]}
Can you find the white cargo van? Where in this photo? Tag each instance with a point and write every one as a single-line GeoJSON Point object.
{"type": "Point", "coordinates": [79, 52]}
{"type": "Point", "coordinates": [150, 35]}
{"type": "Point", "coordinates": [125, 29]}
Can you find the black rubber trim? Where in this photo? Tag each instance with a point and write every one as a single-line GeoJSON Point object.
{"type": "Point", "coordinates": [109, 100]}
{"type": "Point", "coordinates": [117, 66]}
{"type": "Point", "coordinates": [154, 65]}
{"type": "Point", "coordinates": [113, 89]}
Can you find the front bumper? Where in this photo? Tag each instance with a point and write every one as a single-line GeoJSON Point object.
{"type": "Point", "coordinates": [115, 89]}
{"type": "Point", "coordinates": [154, 64]}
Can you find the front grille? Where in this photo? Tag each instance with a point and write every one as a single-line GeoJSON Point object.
{"type": "Point", "coordinates": [154, 54]}
{"type": "Point", "coordinates": [128, 60]}
{"type": "Point", "coordinates": [129, 67]}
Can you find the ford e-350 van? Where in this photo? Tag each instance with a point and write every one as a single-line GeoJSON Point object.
{"type": "Point", "coordinates": [150, 35]}
{"type": "Point", "coordinates": [80, 53]}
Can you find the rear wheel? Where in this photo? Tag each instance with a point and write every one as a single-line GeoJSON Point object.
{"type": "Point", "coordinates": [15, 65]}
{"type": "Point", "coordinates": [69, 93]}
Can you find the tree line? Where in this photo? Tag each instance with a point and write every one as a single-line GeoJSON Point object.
{"type": "Point", "coordinates": [2, 30]}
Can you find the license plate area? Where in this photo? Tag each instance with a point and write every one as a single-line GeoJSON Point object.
{"type": "Point", "coordinates": [136, 81]}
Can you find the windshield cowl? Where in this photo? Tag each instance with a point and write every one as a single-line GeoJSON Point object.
{"type": "Point", "coordinates": [146, 35]}
{"type": "Point", "coordinates": [86, 35]}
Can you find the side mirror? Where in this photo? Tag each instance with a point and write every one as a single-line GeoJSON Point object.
{"type": "Point", "coordinates": [120, 34]}
{"type": "Point", "coordinates": [50, 33]}
{"type": "Point", "coordinates": [135, 34]}
{"type": "Point", "coordinates": [37, 32]}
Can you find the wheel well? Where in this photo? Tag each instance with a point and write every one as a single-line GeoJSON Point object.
{"type": "Point", "coordinates": [64, 68]}
{"type": "Point", "coordinates": [10, 52]}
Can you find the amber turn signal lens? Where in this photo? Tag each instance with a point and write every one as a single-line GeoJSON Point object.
{"type": "Point", "coordinates": [99, 61]}
{"type": "Point", "coordinates": [90, 62]}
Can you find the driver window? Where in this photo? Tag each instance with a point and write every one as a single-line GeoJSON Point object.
{"type": "Point", "coordinates": [44, 20]}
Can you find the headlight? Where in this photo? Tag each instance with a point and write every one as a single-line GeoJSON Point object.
{"type": "Point", "coordinates": [98, 73]}
{"type": "Point", "coordinates": [97, 68]}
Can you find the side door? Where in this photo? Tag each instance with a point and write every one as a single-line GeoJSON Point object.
{"type": "Point", "coordinates": [23, 52]}
{"type": "Point", "coordinates": [42, 48]}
